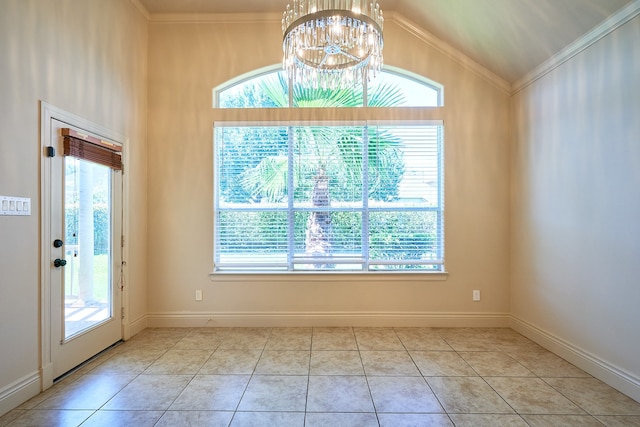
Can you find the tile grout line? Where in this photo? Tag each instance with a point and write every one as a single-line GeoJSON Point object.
{"type": "Point", "coordinates": [487, 383]}
{"type": "Point", "coordinates": [253, 373]}
{"type": "Point", "coordinates": [306, 400]}
{"type": "Point", "coordinates": [504, 346]}
{"type": "Point", "coordinates": [444, 411]}
{"type": "Point", "coordinates": [366, 377]}
{"type": "Point", "coordinates": [187, 384]}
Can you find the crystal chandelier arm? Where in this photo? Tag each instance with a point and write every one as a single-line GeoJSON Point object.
{"type": "Point", "coordinates": [355, 58]}
{"type": "Point", "coordinates": [324, 59]}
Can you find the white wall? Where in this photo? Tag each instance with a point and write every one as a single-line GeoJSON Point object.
{"type": "Point", "coordinates": [188, 60]}
{"type": "Point", "coordinates": [575, 236]}
{"type": "Point", "coordinates": [87, 57]}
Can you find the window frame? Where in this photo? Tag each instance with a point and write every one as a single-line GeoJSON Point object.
{"type": "Point", "coordinates": [395, 71]}
{"type": "Point", "coordinates": [349, 116]}
{"type": "Point", "coordinates": [365, 211]}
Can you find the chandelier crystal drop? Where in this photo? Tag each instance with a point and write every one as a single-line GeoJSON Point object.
{"type": "Point", "coordinates": [332, 43]}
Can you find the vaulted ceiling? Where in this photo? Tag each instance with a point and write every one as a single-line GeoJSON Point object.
{"type": "Point", "coordinates": [508, 37]}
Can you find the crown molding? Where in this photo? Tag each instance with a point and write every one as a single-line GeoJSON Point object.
{"type": "Point", "coordinates": [449, 51]}
{"type": "Point", "coordinates": [205, 17]}
{"type": "Point", "coordinates": [143, 10]}
{"type": "Point", "coordinates": [605, 28]}
{"type": "Point", "coordinates": [215, 18]}
{"type": "Point", "coordinates": [401, 21]}
{"type": "Point", "coordinates": [612, 23]}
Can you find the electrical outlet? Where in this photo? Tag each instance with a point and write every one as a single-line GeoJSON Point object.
{"type": "Point", "coordinates": [198, 294]}
{"type": "Point", "coordinates": [476, 295]}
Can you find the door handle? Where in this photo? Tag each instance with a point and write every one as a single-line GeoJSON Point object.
{"type": "Point", "coordinates": [59, 262]}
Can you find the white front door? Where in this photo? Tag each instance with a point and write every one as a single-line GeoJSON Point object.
{"type": "Point", "coordinates": [84, 260]}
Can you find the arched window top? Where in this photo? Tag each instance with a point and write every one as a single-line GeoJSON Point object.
{"type": "Point", "coordinates": [270, 88]}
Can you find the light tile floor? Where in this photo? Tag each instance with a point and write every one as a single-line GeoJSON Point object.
{"type": "Point", "coordinates": [328, 377]}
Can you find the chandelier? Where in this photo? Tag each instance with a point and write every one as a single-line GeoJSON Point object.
{"type": "Point", "coordinates": [332, 43]}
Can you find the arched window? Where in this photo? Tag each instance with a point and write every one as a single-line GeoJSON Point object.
{"type": "Point", "coordinates": [330, 196]}
{"type": "Point", "coordinates": [270, 88]}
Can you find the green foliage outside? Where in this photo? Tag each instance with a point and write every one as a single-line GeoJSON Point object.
{"type": "Point", "coordinates": [101, 227]}
{"type": "Point", "coordinates": [393, 235]}
{"type": "Point", "coordinates": [402, 235]}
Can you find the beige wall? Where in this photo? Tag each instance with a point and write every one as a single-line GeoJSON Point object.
{"type": "Point", "coordinates": [89, 58]}
{"type": "Point", "coordinates": [562, 261]}
{"type": "Point", "coordinates": [575, 240]}
{"type": "Point", "coordinates": [186, 61]}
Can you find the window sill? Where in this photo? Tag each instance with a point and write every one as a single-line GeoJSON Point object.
{"type": "Point", "coordinates": [310, 276]}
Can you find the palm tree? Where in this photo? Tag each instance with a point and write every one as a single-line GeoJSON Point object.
{"type": "Point", "coordinates": [330, 157]}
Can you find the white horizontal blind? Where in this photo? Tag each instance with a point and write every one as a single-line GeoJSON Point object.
{"type": "Point", "coordinates": [406, 227]}
{"type": "Point", "coordinates": [328, 198]}
{"type": "Point", "coordinates": [251, 210]}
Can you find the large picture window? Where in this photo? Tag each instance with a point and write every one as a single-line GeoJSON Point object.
{"type": "Point", "coordinates": [329, 197]}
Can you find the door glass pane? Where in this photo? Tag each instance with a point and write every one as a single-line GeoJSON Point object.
{"type": "Point", "coordinates": [87, 278]}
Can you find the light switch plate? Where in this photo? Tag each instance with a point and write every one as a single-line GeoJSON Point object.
{"type": "Point", "coordinates": [19, 206]}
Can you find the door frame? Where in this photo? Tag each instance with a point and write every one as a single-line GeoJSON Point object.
{"type": "Point", "coordinates": [47, 113]}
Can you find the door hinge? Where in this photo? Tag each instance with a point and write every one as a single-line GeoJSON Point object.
{"type": "Point", "coordinates": [51, 152]}
{"type": "Point", "coordinates": [122, 241]}
{"type": "Point", "coordinates": [122, 313]}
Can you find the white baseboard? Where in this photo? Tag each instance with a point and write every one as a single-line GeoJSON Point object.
{"type": "Point", "coordinates": [601, 369]}
{"type": "Point", "coordinates": [135, 327]}
{"type": "Point", "coordinates": [19, 392]}
{"type": "Point", "coordinates": [292, 319]}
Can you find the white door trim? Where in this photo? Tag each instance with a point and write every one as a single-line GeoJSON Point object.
{"type": "Point", "coordinates": [47, 113]}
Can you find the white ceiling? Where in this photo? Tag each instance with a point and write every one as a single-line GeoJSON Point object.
{"type": "Point", "coordinates": [508, 37]}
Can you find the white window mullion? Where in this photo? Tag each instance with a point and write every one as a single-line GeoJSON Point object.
{"type": "Point", "coordinates": [440, 227]}
{"type": "Point", "coordinates": [217, 155]}
{"type": "Point", "coordinates": [365, 196]}
{"type": "Point", "coordinates": [290, 192]}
